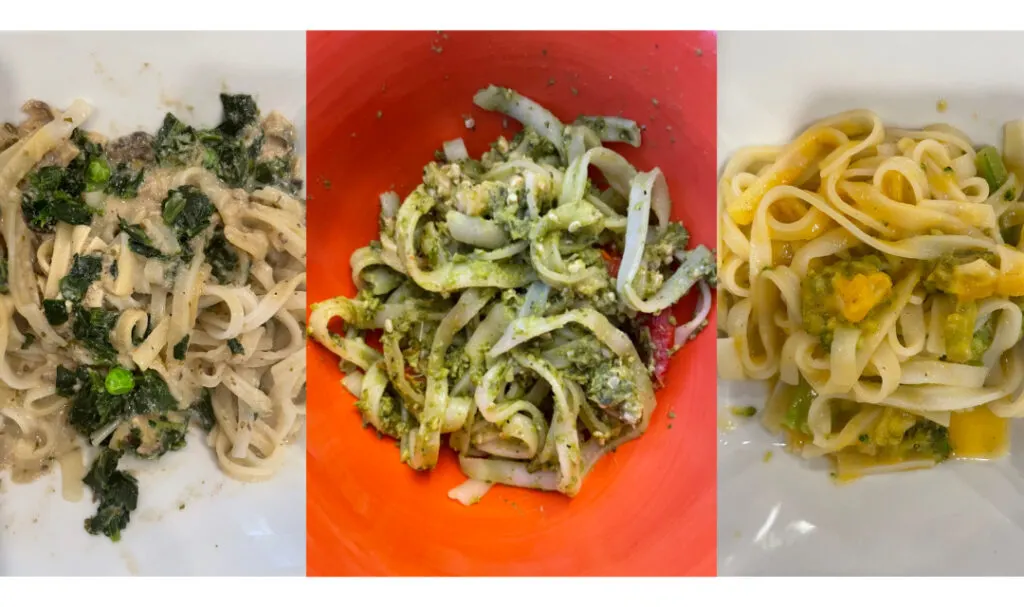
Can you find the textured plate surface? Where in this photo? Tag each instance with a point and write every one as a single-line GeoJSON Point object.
{"type": "Point", "coordinates": [191, 519]}
{"type": "Point", "coordinates": [785, 516]}
{"type": "Point", "coordinates": [380, 104]}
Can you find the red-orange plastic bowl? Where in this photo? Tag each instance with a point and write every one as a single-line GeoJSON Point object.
{"type": "Point", "coordinates": [379, 104]}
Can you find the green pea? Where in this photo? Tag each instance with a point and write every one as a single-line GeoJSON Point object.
{"type": "Point", "coordinates": [119, 381]}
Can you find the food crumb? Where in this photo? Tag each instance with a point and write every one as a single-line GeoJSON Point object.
{"type": "Point", "coordinates": [379, 114]}
{"type": "Point", "coordinates": [767, 456]}
{"type": "Point", "coordinates": [436, 48]}
{"type": "Point", "coordinates": [654, 100]}
{"type": "Point", "coordinates": [544, 52]}
{"type": "Point", "coordinates": [551, 82]}
{"type": "Point", "coordinates": [671, 414]}
{"type": "Point", "coordinates": [573, 90]}
{"type": "Point", "coordinates": [469, 122]}
{"type": "Point", "coordinates": [670, 426]}
{"type": "Point", "coordinates": [744, 411]}
{"type": "Point", "coordinates": [181, 506]}
{"type": "Point", "coordinates": [327, 184]}
{"type": "Point", "coordinates": [942, 106]}
{"type": "Point", "coordinates": [699, 52]}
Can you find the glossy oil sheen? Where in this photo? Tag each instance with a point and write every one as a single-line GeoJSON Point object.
{"type": "Point", "coordinates": [648, 509]}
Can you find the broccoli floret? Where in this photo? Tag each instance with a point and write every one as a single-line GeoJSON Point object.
{"type": "Point", "coordinates": [117, 493]}
{"type": "Point", "coordinates": [150, 436]}
{"type": "Point", "coordinates": [928, 439]}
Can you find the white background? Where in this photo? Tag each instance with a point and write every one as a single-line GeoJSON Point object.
{"type": "Point", "coordinates": [226, 527]}
{"type": "Point", "coordinates": [786, 516]}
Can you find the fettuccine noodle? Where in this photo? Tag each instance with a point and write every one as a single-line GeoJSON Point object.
{"type": "Point", "coordinates": [521, 311]}
{"type": "Point", "coordinates": [145, 281]}
{"type": "Point", "coordinates": [875, 276]}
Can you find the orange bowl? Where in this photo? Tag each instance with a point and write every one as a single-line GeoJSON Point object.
{"type": "Point", "coordinates": [378, 105]}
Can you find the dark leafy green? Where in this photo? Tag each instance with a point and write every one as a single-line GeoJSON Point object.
{"type": "Point", "coordinates": [139, 242]}
{"type": "Point", "coordinates": [239, 112]}
{"type": "Point", "coordinates": [181, 348]}
{"type": "Point", "coordinates": [117, 493]}
{"type": "Point", "coordinates": [236, 346]}
{"type": "Point", "coordinates": [92, 328]}
{"type": "Point", "coordinates": [188, 211]}
{"type": "Point", "coordinates": [30, 339]}
{"type": "Point", "coordinates": [202, 411]}
{"type": "Point", "coordinates": [56, 311]}
{"type": "Point", "coordinates": [175, 142]}
{"type": "Point", "coordinates": [221, 256]}
{"type": "Point", "coordinates": [70, 381]}
{"type": "Point", "coordinates": [151, 436]}
{"type": "Point", "coordinates": [3, 276]}
{"type": "Point", "coordinates": [124, 182]}
{"type": "Point", "coordinates": [85, 269]}
{"type": "Point", "coordinates": [54, 194]}
{"type": "Point", "coordinates": [94, 408]}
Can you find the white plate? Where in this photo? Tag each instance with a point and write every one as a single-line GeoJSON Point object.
{"type": "Point", "coordinates": [782, 517]}
{"type": "Point", "coordinates": [191, 519]}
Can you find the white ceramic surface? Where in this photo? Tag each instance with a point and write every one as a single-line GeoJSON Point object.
{"type": "Point", "coordinates": [191, 519]}
{"type": "Point", "coordinates": [783, 517]}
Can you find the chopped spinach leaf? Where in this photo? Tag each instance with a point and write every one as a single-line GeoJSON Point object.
{"type": "Point", "coordinates": [202, 410]}
{"type": "Point", "coordinates": [139, 242]}
{"type": "Point", "coordinates": [85, 269]}
{"type": "Point", "coordinates": [221, 256]}
{"type": "Point", "coordinates": [239, 112]}
{"type": "Point", "coordinates": [181, 348]}
{"type": "Point", "coordinates": [56, 311]}
{"type": "Point", "coordinates": [54, 194]}
{"type": "Point", "coordinates": [175, 142]}
{"type": "Point", "coordinates": [94, 407]}
{"type": "Point", "coordinates": [70, 382]}
{"type": "Point", "coordinates": [30, 339]}
{"type": "Point", "coordinates": [188, 211]}
{"type": "Point", "coordinates": [277, 172]}
{"type": "Point", "coordinates": [92, 328]}
{"type": "Point", "coordinates": [117, 493]}
{"type": "Point", "coordinates": [3, 276]}
{"type": "Point", "coordinates": [124, 182]}
{"type": "Point", "coordinates": [236, 346]}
